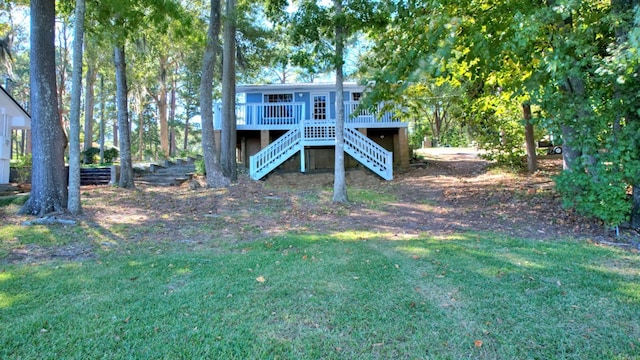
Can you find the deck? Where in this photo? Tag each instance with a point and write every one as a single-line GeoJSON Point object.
{"type": "Point", "coordinates": [287, 116]}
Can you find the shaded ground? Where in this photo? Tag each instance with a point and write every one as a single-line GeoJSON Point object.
{"type": "Point", "coordinates": [447, 193]}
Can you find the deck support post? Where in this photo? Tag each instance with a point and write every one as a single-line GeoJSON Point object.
{"type": "Point", "coordinates": [264, 139]}
{"type": "Point", "coordinates": [402, 148]}
{"type": "Point", "coordinates": [302, 141]}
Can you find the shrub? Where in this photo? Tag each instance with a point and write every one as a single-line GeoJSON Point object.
{"type": "Point", "coordinates": [200, 168]}
{"type": "Point", "coordinates": [601, 194]}
{"type": "Point", "coordinates": [23, 167]}
{"type": "Point", "coordinates": [92, 155]}
{"type": "Point", "coordinates": [110, 155]}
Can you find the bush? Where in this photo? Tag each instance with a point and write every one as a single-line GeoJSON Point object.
{"type": "Point", "coordinates": [110, 155]}
{"type": "Point", "coordinates": [92, 155]}
{"type": "Point", "coordinates": [23, 167]}
{"type": "Point", "coordinates": [200, 168]}
{"type": "Point", "coordinates": [603, 196]}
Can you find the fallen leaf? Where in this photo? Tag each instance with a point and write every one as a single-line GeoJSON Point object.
{"type": "Point", "coordinates": [415, 257]}
{"type": "Point", "coordinates": [477, 343]}
{"type": "Point", "coordinates": [261, 279]}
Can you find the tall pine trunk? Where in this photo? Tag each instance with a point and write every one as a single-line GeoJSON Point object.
{"type": "Point", "coordinates": [339, 180]}
{"type": "Point", "coordinates": [103, 100]}
{"type": "Point", "coordinates": [126, 166]}
{"type": "Point", "coordinates": [211, 161]}
{"type": "Point", "coordinates": [73, 203]}
{"type": "Point", "coordinates": [172, 117]}
{"type": "Point", "coordinates": [228, 134]}
{"type": "Point", "coordinates": [49, 178]}
{"type": "Point", "coordinates": [161, 103]}
{"type": "Point", "coordinates": [89, 101]}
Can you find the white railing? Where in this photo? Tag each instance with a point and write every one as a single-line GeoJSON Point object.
{"type": "Point", "coordinates": [353, 115]}
{"type": "Point", "coordinates": [312, 133]}
{"type": "Point", "coordinates": [270, 114]}
{"type": "Point", "coordinates": [288, 115]}
{"type": "Point", "coordinates": [368, 153]}
{"type": "Point", "coordinates": [319, 133]}
{"type": "Point", "coordinates": [275, 154]}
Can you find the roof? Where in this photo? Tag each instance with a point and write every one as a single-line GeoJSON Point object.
{"type": "Point", "coordinates": [20, 118]}
{"type": "Point", "coordinates": [296, 87]}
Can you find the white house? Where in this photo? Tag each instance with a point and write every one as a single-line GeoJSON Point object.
{"type": "Point", "coordinates": [12, 116]}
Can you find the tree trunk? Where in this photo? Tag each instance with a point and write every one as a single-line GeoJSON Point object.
{"type": "Point", "coordinates": [228, 134]}
{"type": "Point", "coordinates": [49, 178]}
{"type": "Point", "coordinates": [211, 162]}
{"type": "Point", "coordinates": [115, 131]}
{"type": "Point", "coordinates": [139, 109]}
{"type": "Point", "coordinates": [73, 203]}
{"type": "Point", "coordinates": [126, 167]}
{"type": "Point", "coordinates": [102, 124]}
{"type": "Point", "coordinates": [161, 102]}
{"type": "Point", "coordinates": [172, 118]}
{"type": "Point", "coordinates": [62, 71]}
{"type": "Point", "coordinates": [339, 180]}
{"type": "Point", "coordinates": [529, 138]}
{"type": "Point", "coordinates": [89, 100]}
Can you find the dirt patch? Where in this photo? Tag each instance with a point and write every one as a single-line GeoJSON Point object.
{"type": "Point", "coordinates": [34, 253]}
{"type": "Point", "coordinates": [445, 194]}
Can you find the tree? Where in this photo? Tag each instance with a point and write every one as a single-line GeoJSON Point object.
{"type": "Point", "coordinates": [339, 180]}
{"type": "Point", "coordinates": [214, 175]}
{"type": "Point", "coordinates": [48, 184]}
{"type": "Point", "coordinates": [327, 29]}
{"type": "Point", "coordinates": [124, 129]}
{"type": "Point", "coordinates": [228, 131]}
{"type": "Point", "coordinates": [89, 98]}
{"type": "Point", "coordinates": [73, 204]}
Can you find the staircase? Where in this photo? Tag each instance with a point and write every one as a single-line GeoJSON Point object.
{"type": "Point", "coordinates": [269, 158]}
{"type": "Point", "coordinates": [360, 147]}
{"type": "Point", "coordinates": [172, 174]}
{"type": "Point", "coordinates": [368, 153]}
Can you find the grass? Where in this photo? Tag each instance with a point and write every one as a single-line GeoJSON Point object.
{"type": "Point", "coordinates": [17, 200]}
{"type": "Point", "coordinates": [345, 296]}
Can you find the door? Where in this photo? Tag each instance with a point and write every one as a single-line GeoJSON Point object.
{"type": "Point", "coordinates": [320, 102]}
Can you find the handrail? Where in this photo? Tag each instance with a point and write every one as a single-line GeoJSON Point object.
{"type": "Point", "coordinates": [286, 115]}
{"type": "Point", "coordinates": [318, 132]}
{"type": "Point", "coordinates": [274, 154]}
{"type": "Point", "coordinates": [367, 152]}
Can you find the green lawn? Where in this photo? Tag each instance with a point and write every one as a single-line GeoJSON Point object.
{"type": "Point", "coordinates": [341, 296]}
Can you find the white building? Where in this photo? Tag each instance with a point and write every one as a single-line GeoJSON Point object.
{"type": "Point", "coordinates": [12, 116]}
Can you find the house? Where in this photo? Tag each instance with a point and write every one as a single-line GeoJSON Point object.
{"type": "Point", "coordinates": [292, 126]}
{"type": "Point", "coordinates": [12, 116]}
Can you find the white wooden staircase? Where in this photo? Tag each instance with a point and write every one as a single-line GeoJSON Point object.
{"type": "Point", "coordinates": [360, 147]}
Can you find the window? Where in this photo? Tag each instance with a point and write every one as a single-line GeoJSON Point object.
{"type": "Point", "coordinates": [278, 98]}
{"type": "Point", "coordinates": [278, 111]}
{"type": "Point", "coordinates": [356, 96]}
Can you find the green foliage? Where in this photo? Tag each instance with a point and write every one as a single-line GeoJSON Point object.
{"type": "Point", "coordinates": [604, 198]}
{"type": "Point", "coordinates": [200, 168]}
{"type": "Point", "coordinates": [110, 155]}
{"type": "Point", "coordinates": [23, 168]}
{"type": "Point", "coordinates": [497, 127]}
{"type": "Point", "coordinates": [17, 200]}
{"type": "Point", "coordinates": [92, 155]}
{"type": "Point", "coordinates": [23, 161]}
